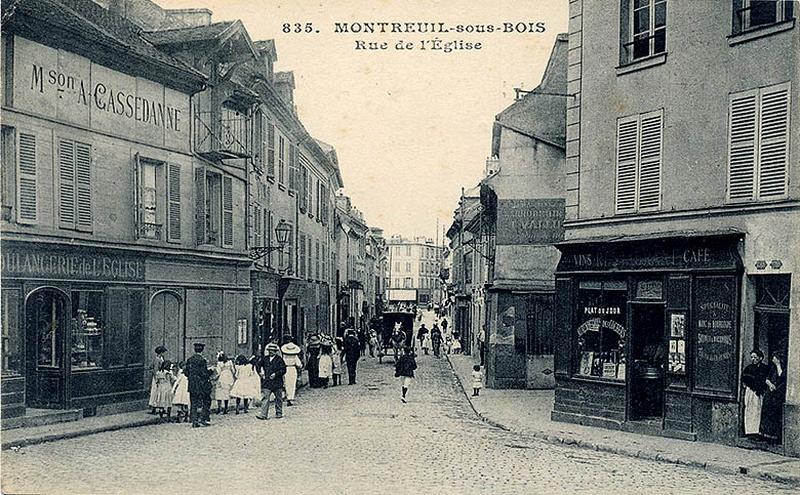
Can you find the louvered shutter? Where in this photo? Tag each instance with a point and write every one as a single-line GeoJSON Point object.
{"type": "Point", "coordinates": [773, 140]}
{"type": "Point", "coordinates": [137, 196]}
{"type": "Point", "coordinates": [650, 147]}
{"type": "Point", "coordinates": [27, 203]}
{"type": "Point", "coordinates": [268, 233]}
{"type": "Point", "coordinates": [270, 150]}
{"type": "Point", "coordinates": [258, 240]}
{"type": "Point", "coordinates": [309, 256]}
{"type": "Point", "coordinates": [66, 184]}
{"type": "Point", "coordinates": [293, 172]}
{"type": "Point", "coordinates": [174, 201]}
{"type": "Point", "coordinates": [227, 212]}
{"type": "Point", "coordinates": [742, 145]}
{"type": "Point", "coordinates": [301, 263]}
{"type": "Point", "coordinates": [627, 146]}
{"type": "Point", "coordinates": [83, 182]}
{"type": "Point", "coordinates": [200, 205]}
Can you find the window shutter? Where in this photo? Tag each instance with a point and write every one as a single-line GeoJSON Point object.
{"type": "Point", "coordinates": [627, 145]}
{"type": "Point", "coordinates": [174, 201]}
{"type": "Point", "coordinates": [137, 196]}
{"type": "Point", "coordinates": [200, 205]}
{"type": "Point", "coordinates": [773, 137]}
{"type": "Point", "coordinates": [742, 145]}
{"type": "Point", "coordinates": [268, 233]}
{"type": "Point", "coordinates": [270, 150]}
{"type": "Point", "coordinates": [83, 169]}
{"type": "Point", "coordinates": [66, 184]}
{"type": "Point", "coordinates": [26, 179]}
{"type": "Point", "coordinates": [227, 212]}
{"type": "Point", "coordinates": [301, 263]}
{"type": "Point", "coordinates": [256, 215]}
{"type": "Point", "coordinates": [650, 161]}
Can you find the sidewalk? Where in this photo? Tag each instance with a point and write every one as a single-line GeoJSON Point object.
{"type": "Point", "coordinates": [527, 412]}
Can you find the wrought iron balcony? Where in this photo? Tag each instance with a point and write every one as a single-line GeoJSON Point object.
{"type": "Point", "coordinates": [230, 140]}
{"type": "Point", "coordinates": [150, 231]}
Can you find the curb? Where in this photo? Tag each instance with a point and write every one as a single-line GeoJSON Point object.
{"type": "Point", "coordinates": [51, 437]}
{"type": "Point", "coordinates": [751, 472]}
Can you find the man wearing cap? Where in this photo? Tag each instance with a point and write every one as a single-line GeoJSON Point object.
{"type": "Point", "coordinates": [199, 386]}
{"type": "Point", "coordinates": [274, 368]}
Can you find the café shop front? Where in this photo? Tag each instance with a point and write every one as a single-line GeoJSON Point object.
{"type": "Point", "coordinates": [650, 334]}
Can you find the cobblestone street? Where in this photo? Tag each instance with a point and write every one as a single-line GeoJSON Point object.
{"type": "Point", "coordinates": [348, 439]}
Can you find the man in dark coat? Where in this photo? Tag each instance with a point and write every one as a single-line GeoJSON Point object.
{"type": "Point", "coordinates": [352, 351]}
{"type": "Point", "coordinates": [436, 340]}
{"type": "Point", "coordinates": [273, 368]}
{"type": "Point", "coordinates": [198, 374]}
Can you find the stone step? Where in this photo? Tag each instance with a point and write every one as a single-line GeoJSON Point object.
{"type": "Point", "coordinates": [40, 417]}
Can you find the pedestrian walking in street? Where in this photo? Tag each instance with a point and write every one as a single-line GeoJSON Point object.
{"type": "Point", "coordinates": [158, 360]}
{"type": "Point", "coordinates": [444, 325]}
{"type": "Point", "coordinates": [337, 357]}
{"type": "Point", "coordinates": [312, 360]}
{"type": "Point", "coordinates": [352, 352]}
{"type": "Point", "coordinates": [180, 394]}
{"type": "Point", "coordinates": [477, 380]}
{"type": "Point", "coordinates": [326, 361]}
{"type": "Point", "coordinates": [754, 381]}
{"type": "Point", "coordinates": [398, 340]}
{"type": "Point", "coordinates": [291, 357]}
{"type": "Point", "coordinates": [199, 387]}
{"type": "Point", "coordinates": [362, 341]}
{"type": "Point", "coordinates": [164, 382]}
{"type": "Point", "coordinates": [422, 334]}
{"type": "Point", "coordinates": [448, 344]}
{"type": "Point", "coordinates": [456, 346]}
{"type": "Point", "coordinates": [247, 385]}
{"type": "Point", "coordinates": [774, 397]}
{"type": "Point", "coordinates": [373, 342]}
{"type": "Point", "coordinates": [436, 341]}
{"type": "Point", "coordinates": [225, 379]}
{"type": "Point", "coordinates": [404, 369]}
{"type": "Point", "coordinates": [274, 370]}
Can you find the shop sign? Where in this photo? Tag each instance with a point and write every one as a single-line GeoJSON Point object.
{"type": "Point", "coordinates": [530, 221]}
{"type": "Point", "coordinates": [71, 266]}
{"type": "Point", "coordinates": [715, 333]}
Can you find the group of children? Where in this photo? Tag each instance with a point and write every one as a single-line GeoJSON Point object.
{"type": "Point", "coordinates": [170, 387]}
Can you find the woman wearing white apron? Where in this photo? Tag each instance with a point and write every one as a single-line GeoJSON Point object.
{"type": "Point", "coordinates": [291, 356]}
{"type": "Point", "coordinates": [754, 379]}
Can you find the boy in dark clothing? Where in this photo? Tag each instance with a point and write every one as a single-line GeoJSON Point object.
{"type": "Point", "coordinates": [404, 369]}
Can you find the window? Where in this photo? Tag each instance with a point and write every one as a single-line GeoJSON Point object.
{"type": "Point", "coordinates": [12, 336]}
{"type": "Point", "coordinates": [309, 257]}
{"type": "Point", "coordinates": [753, 14]}
{"type": "Point", "coordinates": [293, 172]}
{"type": "Point", "coordinates": [214, 196]}
{"type": "Point", "coordinates": [281, 160]}
{"type": "Point", "coordinates": [601, 329]}
{"type": "Point", "coordinates": [270, 147]}
{"type": "Point", "coordinates": [290, 252]}
{"type": "Point", "coordinates": [643, 29]}
{"type": "Point", "coordinates": [301, 262]}
{"type": "Point", "coordinates": [408, 267]}
{"type": "Point", "coordinates": [235, 128]}
{"type": "Point", "coordinates": [158, 199]}
{"type": "Point", "coordinates": [87, 327]}
{"type": "Point", "coordinates": [408, 250]}
{"type": "Point", "coordinates": [20, 149]}
{"type": "Point", "coordinates": [74, 185]}
{"type": "Point", "coordinates": [639, 156]}
{"type": "Point", "coordinates": [408, 283]}
{"type": "Point", "coordinates": [758, 143]}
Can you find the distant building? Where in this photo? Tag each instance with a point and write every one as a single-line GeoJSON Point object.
{"type": "Point", "coordinates": [414, 264]}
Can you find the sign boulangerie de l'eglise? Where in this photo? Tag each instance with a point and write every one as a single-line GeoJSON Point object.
{"type": "Point", "coordinates": [530, 221]}
{"type": "Point", "coordinates": [59, 84]}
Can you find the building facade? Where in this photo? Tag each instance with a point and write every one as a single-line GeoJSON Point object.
{"type": "Point", "coordinates": [414, 264]}
{"type": "Point", "coordinates": [100, 256]}
{"type": "Point", "coordinates": [350, 239]}
{"type": "Point", "coordinates": [682, 213]}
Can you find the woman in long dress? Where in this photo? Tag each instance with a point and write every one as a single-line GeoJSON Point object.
{"type": "Point", "coordinates": [772, 408]}
{"type": "Point", "coordinates": [754, 380]}
{"type": "Point", "coordinates": [156, 367]}
{"type": "Point", "coordinates": [291, 356]}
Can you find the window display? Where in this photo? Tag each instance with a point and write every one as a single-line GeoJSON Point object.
{"type": "Point", "coordinates": [87, 329]}
{"type": "Point", "coordinates": [601, 329]}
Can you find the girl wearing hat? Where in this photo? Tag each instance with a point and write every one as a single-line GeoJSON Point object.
{"type": "Point", "coordinates": [291, 356]}
{"type": "Point", "coordinates": [156, 367]}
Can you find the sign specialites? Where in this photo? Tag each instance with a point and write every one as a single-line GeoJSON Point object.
{"type": "Point", "coordinates": [715, 334]}
{"type": "Point", "coordinates": [530, 221]}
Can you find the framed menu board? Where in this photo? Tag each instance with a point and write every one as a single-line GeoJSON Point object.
{"type": "Point", "coordinates": [714, 331]}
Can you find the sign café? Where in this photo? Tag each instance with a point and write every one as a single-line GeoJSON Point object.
{"type": "Point", "coordinates": [106, 98]}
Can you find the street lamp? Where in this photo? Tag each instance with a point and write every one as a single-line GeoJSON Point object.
{"type": "Point", "coordinates": [282, 231]}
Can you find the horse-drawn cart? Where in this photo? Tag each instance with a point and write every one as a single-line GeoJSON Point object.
{"type": "Point", "coordinates": [402, 320]}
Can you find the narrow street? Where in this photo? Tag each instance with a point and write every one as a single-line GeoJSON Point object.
{"type": "Point", "coordinates": [348, 439]}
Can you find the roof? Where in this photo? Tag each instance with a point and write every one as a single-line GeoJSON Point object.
{"type": "Point", "coordinates": [267, 46]}
{"type": "Point", "coordinates": [188, 34]}
{"type": "Point", "coordinates": [93, 23]}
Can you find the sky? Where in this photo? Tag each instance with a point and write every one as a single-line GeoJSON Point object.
{"type": "Point", "coordinates": [410, 127]}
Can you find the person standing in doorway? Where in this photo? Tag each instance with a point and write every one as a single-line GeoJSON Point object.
{"type": "Point", "coordinates": [772, 408]}
{"type": "Point", "coordinates": [352, 351]}
{"type": "Point", "coordinates": [291, 357]}
{"type": "Point", "coordinates": [198, 375]}
{"type": "Point", "coordinates": [754, 380]}
{"type": "Point", "coordinates": [274, 369]}
{"type": "Point", "coordinates": [404, 369]}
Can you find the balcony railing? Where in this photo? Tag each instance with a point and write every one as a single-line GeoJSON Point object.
{"type": "Point", "coordinates": [150, 231]}
{"type": "Point", "coordinates": [231, 140]}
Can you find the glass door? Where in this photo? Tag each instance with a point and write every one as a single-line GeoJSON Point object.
{"type": "Point", "coordinates": [648, 357]}
{"type": "Point", "coordinates": [46, 332]}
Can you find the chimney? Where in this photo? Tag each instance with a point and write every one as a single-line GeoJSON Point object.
{"type": "Point", "coordinates": [284, 85]}
{"type": "Point", "coordinates": [190, 17]}
{"type": "Point", "coordinates": [267, 57]}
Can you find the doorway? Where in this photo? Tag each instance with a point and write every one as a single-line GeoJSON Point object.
{"type": "Point", "coordinates": [648, 358]}
{"type": "Point", "coordinates": [166, 325]}
{"type": "Point", "coordinates": [45, 359]}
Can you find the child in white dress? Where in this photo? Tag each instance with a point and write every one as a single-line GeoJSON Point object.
{"type": "Point", "coordinates": [477, 380]}
{"type": "Point", "coordinates": [247, 385]}
{"type": "Point", "coordinates": [163, 395]}
{"type": "Point", "coordinates": [225, 379]}
{"type": "Point", "coordinates": [180, 394]}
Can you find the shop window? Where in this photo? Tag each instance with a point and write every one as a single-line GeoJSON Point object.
{"type": "Point", "coordinates": [601, 332]}
{"type": "Point", "coordinates": [87, 327]}
{"type": "Point", "coordinates": [12, 335]}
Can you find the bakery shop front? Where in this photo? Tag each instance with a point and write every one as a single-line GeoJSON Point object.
{"type": "Point", "coordinates": [648, 329]}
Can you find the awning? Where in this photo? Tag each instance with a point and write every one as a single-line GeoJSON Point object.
{"type": "Point", "coordinates": [525, 268]}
